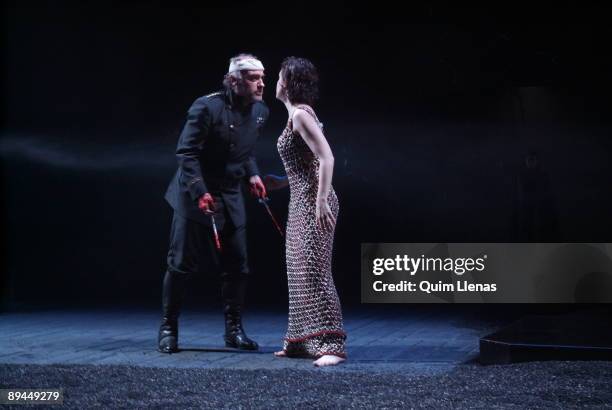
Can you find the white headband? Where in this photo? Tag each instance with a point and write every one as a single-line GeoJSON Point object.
{"type": "Point", "coordinates": [245, 64]}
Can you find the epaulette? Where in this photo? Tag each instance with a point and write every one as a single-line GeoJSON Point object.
{"type": "Point", "coordinates": [213, 94]}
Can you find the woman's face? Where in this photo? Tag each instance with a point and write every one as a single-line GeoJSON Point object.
{"type": "Point", "coordinates": [280, 87]}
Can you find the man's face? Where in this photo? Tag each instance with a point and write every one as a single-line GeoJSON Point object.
{"type": "Point", "coordinates": [251, 85]}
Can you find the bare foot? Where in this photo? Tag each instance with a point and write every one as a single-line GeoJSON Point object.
{"type": "Point", "coordinates": [281, 353]}
{"type": "Point", "coordinates": [328, 360]}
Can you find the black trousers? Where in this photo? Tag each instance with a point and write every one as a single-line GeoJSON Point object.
{"type": "Point", "coordinates": [192, 250]}
{"type": "Point", "coordinates": [192, 247]}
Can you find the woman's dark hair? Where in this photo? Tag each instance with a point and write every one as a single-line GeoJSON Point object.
{"type": "Point", "coordinates": [301, 79]}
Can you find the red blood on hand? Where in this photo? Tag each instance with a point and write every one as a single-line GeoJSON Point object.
{"type": "Point", "coordinates": [257, 188]}
{"type": "Point", "coordinates": [206, 203]}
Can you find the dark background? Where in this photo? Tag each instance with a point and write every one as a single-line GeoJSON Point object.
{"type": "Point", "coordinates": [430, 112]}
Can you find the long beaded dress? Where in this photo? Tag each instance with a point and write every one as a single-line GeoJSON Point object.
{"type": "Point", "coordinates": [315, 317]}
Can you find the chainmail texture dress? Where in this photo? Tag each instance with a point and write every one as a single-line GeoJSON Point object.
{"type": "Point", "coordinates": [315, 317]}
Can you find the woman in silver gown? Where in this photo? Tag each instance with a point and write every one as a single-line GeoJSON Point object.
{"type": "Point", "coordinates": [315, 318]}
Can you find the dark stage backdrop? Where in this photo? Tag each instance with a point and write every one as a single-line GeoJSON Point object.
{"type": "Point", "coordinates": [475, 131]}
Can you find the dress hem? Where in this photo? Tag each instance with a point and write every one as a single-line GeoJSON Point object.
{"type": "Point", "coordinates": [315, 355]}
{"type": "Point", "coordinates": [310, 336]}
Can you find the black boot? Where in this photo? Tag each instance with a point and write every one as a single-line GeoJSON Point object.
{"type": "Point", "coordinates": [234, 333]}
{"type": "Point", "coordinates": [234, 289]}
{"type": "Point", "coordinates": [172, 297]}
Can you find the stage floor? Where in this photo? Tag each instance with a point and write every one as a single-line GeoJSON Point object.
{"type": "Point", "coordinates": [399, 357]}
{"type": "Point", "coordinates": [392, 339]}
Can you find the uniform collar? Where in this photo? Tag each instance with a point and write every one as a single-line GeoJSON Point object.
{"type": "Point", "coordinates": [233, 101]}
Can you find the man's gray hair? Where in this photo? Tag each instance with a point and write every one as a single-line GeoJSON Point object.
{"type": "Point", "coordinates": [236, 74]}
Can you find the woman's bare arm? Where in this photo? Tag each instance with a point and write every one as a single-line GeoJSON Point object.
{"type": "Point", "coordinates": [305, 125]}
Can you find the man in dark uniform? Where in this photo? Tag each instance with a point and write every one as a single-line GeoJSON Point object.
{"type": "Point", "coordinates": [215, 153]}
